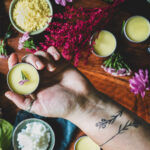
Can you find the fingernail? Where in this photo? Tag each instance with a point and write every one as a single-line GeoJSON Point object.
{"type": "Point", "coordinates": [51, 68]}
{"type": "Point", "coordinates": [7, 95]}
{"type": "Point", "coordinates": [56, 56]}
{"type": "Point", "coordinates": [39, 64]}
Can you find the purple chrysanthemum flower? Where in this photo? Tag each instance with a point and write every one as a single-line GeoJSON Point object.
{"type": "Point", "coordinates": [62, 2]}
{"type": "Point", "coordinates": [140, 82]}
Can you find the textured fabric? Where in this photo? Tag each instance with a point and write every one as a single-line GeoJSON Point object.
{"type": "Point", "coordinates": [63, 129]}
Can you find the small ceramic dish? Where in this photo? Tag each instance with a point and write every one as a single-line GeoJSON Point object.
{"type": "Point", "coordinates": [93, 38]}
{"type": "Point", "coordinates": [12, 5]}
{"type": "Point", "coordinates": [22, 125]}
{"type": "Point", "coordinates": [126, 35]}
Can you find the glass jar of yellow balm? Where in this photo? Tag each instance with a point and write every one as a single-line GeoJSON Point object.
{"type": "Point", "coordinates": [23, 79]}
{"type": "Point", "coordinates": [85, 143]}
{"type": "Point", "coordinates": [104, 43]}
{"type": "Point", "coordinates": [137, 29]}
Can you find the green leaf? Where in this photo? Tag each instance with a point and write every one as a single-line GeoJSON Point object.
{"type": "Point", "coordinates": [29, 44]}
{"type": "Point", "coordinates": [8, 34]}
{"type": "Point", "coordinates": [5, 134]}
{"type": "Point", "coordinates": [23, 76]}
{"type": "Point", "coordinates": [123, 24]}
{"type": "Point", "coordinates": [3, 51]}
{"type": "Point", "coordinates": [116, 62]}
{"type": "Point", "coordinates": [148, 1]}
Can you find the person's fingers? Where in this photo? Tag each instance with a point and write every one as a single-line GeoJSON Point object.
{"type": "Point", "coordinates": [51, 67]}
{"type": "Point", "coordinates": [35, 61]}
{"type": "Point", "coordinates": [54, 53]}
{"type": "Point", "coordinates": [50, 63]}
{"type": "Point", "coordinates": [16, 98]}
{"type": "Point", "coordinates": [21, 101]}
{"type": "Point", "coordinates": [42, 54]}
{"type": "Point", "coordinates": [13, 60]}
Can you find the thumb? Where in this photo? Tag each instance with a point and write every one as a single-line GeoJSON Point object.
{"type": "Point", "coordinates": [21, 101]}
{"type": "Point", "coordinates": [12, 60]}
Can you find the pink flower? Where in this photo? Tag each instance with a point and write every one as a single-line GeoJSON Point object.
{"type": "Point", "coordinates": [72, 29]}
{"type": "Point", "coordinates": [24, 38]}
{"type": "Point", "coordinates": [140, 82]}
{"type": "Point", "coordinates": [121, 72]}
{"type": "Point", "coordinates": [62, 2]}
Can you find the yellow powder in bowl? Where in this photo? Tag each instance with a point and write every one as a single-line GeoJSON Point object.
{"type": "Point", "coordinates": [31, 15]}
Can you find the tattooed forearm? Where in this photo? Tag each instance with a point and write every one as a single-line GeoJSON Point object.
{"type": "Point", "coordinates": [123, 128]}
{"type": "Point", "coordinates": [103, 123]}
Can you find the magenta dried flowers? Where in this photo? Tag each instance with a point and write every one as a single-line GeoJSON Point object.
{"type": "Point", "coordinates": [116, 66]}
{"type": "Point", "coordinates": [26, 42]}
{"type": "Point", "coordinates": [62, 2]}
{"type": "Point", "coordinates": [139, 83]}
{"type": "Point", "coordinates": [72, 30]}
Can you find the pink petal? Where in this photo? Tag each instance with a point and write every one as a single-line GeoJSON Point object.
{"type": "Point", "coordinates": [142, 94]}
{"type": "Point", "coordinates": [23, 82]}
{"type": "Point", "coordinates": [146, 76]}
{"type": "Point", "coordinates": [69, 1]}
{"type": "Point", "coordinates": [57, 1]}
{"type": "Point", "coordinates": [63, 2]}
{"type": "Point", "coordinates": [20, 46]}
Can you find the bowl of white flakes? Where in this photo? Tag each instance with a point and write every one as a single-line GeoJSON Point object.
{"type": "Point", "coordinates": [33, 134]}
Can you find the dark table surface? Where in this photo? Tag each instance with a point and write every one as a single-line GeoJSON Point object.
{"type": "Point", "coordinates": [116, 87]}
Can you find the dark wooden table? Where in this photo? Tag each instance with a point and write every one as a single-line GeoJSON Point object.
{"type": "Point", "coordinates": [116, 87]}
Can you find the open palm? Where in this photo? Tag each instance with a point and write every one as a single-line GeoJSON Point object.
{"type": "Point", "coordinates": [62, 87]}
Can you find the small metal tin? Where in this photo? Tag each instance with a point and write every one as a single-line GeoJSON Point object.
{"type": "Point", "coordinates": [79, 140]}
{"type": "Point", "coordinates": [15, 66]}
{"type": "Point", "coordinates": [93, 37]}
{"type": "Point", "coordinates": [126, 33]}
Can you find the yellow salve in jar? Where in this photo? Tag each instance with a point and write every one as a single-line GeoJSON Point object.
{"type": "Point", "coordinates": [105, 44]}
{"type": "Point", "coordinates": [85, 143]}
{"type": "Point", "coordinates": [137, 28]}
{"type": "Point", "coordinates": [14, 77]}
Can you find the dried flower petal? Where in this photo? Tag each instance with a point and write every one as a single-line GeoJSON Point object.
{"type": "Point", "coordinates": [22, 82]}
{"type": "Point", "coordinates": [62, 2]}
{"type": "Point", "coordinates": [24, 38]}
{"type": "Point", "coordinates": [140, 82]}
{"type": "Point", "coordinates": [4, 56]}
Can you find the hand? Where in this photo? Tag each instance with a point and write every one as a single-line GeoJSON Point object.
{"type": "Point", "coordinates": [62, 90]}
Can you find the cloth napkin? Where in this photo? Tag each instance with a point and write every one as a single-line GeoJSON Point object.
{"type": "Point", "coordinates": [63, 129]}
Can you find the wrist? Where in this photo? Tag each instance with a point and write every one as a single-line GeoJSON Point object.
{"type": "Point", "coordinates": [88, 107]}
{"type": "Point", "coordinates": [97, 106]}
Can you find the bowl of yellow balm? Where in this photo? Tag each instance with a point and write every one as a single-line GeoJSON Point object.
{"type": "Point", "coordinates": [23, 79]}
{"type": "Point", "coordinates": [85, 143]}
{"type": "Point", "coordinates": [104, 43]}
{"type": "Point", "coordinates": [31, 16]}
{"type": "Point", "coordinates": [137, 29]}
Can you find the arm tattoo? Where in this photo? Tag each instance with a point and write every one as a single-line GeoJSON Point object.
{"type": "Point", "coordinates": [122, 128]}
{"type": "Point", "coordinates": [103, 123]}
